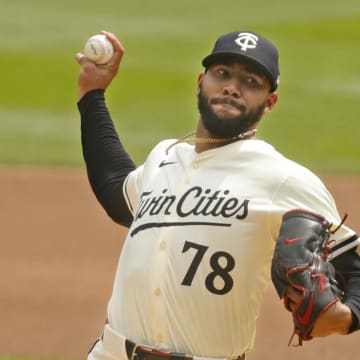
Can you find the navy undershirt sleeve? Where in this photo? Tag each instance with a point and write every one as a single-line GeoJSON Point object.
{"type": "Point", "coordinates": [107, 162]}
{"type": "Point", "coordinates": [347, 268]}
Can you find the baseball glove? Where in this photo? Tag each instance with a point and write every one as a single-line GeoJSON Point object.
{"type": "Point", "coordinates": [300, 261]}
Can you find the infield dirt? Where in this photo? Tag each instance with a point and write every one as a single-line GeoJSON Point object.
{"type": "Point", "coordinates": [58, 256]}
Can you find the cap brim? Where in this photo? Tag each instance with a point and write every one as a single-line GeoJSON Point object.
{"type": "Point", "coordinates": [216, 57]}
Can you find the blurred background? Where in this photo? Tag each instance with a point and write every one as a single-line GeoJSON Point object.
{"type": "Point", "coordinates": [59, 250]}
{"type": "Point", "coordinates": [315, 121]}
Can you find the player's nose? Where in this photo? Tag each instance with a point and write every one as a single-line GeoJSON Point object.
{"type": "Point", "coordinates": [233, 88]}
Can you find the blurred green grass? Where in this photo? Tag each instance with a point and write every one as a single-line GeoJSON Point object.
{"type": "Point", "coordinates": [315, 122]}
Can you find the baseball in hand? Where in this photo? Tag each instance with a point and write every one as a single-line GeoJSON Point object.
{"type": "Point", "coordinates": [99, 49]}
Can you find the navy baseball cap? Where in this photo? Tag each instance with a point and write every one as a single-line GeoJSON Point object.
{"type": "Point", "coordinates": [251, 46]}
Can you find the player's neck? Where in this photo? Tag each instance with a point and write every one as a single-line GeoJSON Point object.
{"type": "Point", "coordinates": [206, 141]}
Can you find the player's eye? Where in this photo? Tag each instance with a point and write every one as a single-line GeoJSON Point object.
{"type": "Point", "coordinates": [222, 73]}
{"type": "Point", "coordinates": [251, 81]}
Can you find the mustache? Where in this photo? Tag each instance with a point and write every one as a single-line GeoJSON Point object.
{"type": "Point", "coordinates": [228, 101]}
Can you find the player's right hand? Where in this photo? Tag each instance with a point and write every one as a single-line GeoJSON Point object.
{"type": "Point", "coordinates": [93, 76]}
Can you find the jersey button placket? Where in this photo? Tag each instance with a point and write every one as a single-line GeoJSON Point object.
{"type": "Point", "coordinates": [157, 292]}
{"type": "Point", "coordinates": [161, 265]}
{"type": "Point", "coordinates": [195, 165]}
{"type": "Point", "coordinates": [159, 277]}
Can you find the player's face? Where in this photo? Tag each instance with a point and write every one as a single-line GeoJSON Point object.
{"type": "Point", "coordinates": [232, 98]}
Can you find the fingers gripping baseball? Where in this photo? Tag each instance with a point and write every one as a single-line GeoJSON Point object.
{"type": "Point", "coordinates": [99, 76]}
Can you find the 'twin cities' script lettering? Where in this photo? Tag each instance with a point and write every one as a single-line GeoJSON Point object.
{"type": "Point", "coordinates": [195, 201]}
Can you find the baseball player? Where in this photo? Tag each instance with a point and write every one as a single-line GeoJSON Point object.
{"type": "Point", "coordinates": [204, 214]}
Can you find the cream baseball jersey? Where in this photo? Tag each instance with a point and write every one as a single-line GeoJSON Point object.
{"type": "Point", "coordinates": [196, 259]}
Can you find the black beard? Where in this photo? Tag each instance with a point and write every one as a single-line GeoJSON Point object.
{"type": "Point", "coordinates": [225, 126]}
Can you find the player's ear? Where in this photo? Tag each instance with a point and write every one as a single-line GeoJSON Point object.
{"type": "Point", "coordinates": [271, 101]}
{"type": "Point", "coordinates": [200, 79]}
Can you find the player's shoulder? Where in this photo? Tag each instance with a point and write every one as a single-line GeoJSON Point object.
{"type": "Point", "coordinates": [260, 149]}
{"type": "Point", "coordinates": [163, 145]}
{"type": "Point", "coordinates": [160, 150]}
{"type": "Point", "coordinates": [284, 166]}
{"type": "Point", "coordinates": [295, 169]}
{"type": "Point", "coordinates": [282, 160]}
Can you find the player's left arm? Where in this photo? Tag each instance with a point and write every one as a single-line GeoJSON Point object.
{"type": "Point", "coordinates": [344, 316]}
{"type": "Point", "coordinates": [347, 266]}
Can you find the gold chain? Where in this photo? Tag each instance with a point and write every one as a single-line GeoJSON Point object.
{"type": "Point", "coordinates": [191, 138]}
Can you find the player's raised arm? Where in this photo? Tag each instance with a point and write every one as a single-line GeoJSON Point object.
{"type": "Point", "coordinates": [107, 162]}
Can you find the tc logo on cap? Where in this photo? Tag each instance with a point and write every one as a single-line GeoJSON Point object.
{"type": "Point", "coordinates": [247, 41]}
